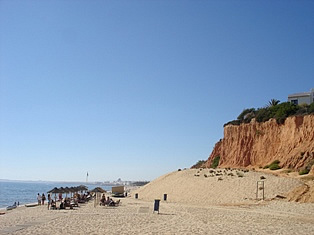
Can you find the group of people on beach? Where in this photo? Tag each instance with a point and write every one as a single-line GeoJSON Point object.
{"type": "Point", "coordinates": [42, 198]}
{"type": "Point", "coordinates": [70, 202]}
{"type": "Point", "coordinates": [67, 201]}
{"type": "Point", "coordinates": [109, 201]}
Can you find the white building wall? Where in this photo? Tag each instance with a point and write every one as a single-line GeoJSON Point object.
{"type": "Point", "coordinates": [301, 100]}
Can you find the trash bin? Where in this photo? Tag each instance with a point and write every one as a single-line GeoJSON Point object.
{"type": "Point", "coordinates": [165, 197]}
{"type": "Point", "coordinates": [136, 196]}
{"type": "Point", "coordinates": [156, 205]}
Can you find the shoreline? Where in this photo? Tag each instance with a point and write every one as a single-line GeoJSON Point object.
{"type": "Point", "coordinates": [21, 205]}
{"type": "Point", "coordinates": [26, 193]}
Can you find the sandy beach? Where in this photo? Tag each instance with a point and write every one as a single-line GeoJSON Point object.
{"type": "Point", "coordinates": [206, 211]}
{"type": "Point", "coordinates": [216, 187]}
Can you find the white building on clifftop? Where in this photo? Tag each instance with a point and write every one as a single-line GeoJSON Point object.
{"type": "Point", "coordinates": [302, 98]}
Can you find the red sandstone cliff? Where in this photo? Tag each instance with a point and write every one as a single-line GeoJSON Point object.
{"type": "Point", "coordinates": [258, 144]}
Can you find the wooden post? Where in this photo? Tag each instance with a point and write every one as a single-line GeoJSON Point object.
{"type": "Point", "coordinates": [260, 187]}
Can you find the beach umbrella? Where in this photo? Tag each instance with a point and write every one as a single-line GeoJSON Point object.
{"type": "Point", "coordinates": [64, 190]}
{"type": "Point", "coordinates": [55, 190]}
{"type": "Point", "coordinates": [97, 191]}
{"type": "Point", "coordinates": [82, 188]}
{"type": "Point", "coordinates": [68, 190]}
{"type": "Point", "coordinates": [74, 189]}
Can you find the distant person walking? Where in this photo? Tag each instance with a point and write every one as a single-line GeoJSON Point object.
{"type": "Point", "coordinates": [39, 199]}
{"type": "Point", "coordinates": [43, 198]}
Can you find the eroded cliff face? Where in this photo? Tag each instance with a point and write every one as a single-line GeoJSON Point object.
{"type": "Point", "coordinates": [258, 144]}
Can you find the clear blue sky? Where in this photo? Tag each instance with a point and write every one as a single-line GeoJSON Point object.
{"type": "Point", "coordinates": [136, 89]}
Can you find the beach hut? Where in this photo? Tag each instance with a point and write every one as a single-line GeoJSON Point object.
{"type": "Point", "coordinates": [118, 191]}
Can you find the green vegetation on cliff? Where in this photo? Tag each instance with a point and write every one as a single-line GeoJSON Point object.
{"type": "Point", "coordinates": [215, 162]}
{"type": "Point", "coordinates": [279, 111]}
{"type": "Point", "coordinates": [199, 164]}
{"type": "Point", "coordinates": [273, 166]}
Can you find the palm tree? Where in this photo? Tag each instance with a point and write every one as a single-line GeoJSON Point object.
{"type": "Point", "coordinates": [273, 102]}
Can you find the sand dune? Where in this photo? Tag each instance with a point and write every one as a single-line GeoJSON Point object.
{"type": "Point", "coordinates": [203, 187]}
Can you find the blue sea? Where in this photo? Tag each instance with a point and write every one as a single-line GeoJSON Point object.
{"type": "Point", "coordinates": [24, 192]}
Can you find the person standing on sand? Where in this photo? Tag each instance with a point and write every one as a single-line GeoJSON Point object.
{"type": "Point", "coordinates": [43, 198]}
{"type": "Point", "coordinates": [39, 199]}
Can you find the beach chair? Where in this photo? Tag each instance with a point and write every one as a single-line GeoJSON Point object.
{"type": "Point", "coordinates": [74, 203]}
{"type": "Point", "coordinates": [118, 203]}
{"type": "Point", "coordinates": [105, 203]}
{"type": "Point", "coordinates": [53, 206]}
{"type": "Point", "coordinates": [113, 203]}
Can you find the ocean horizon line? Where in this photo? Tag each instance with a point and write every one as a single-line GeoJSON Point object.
{"type": "Point", "coordinates": [53, 181]}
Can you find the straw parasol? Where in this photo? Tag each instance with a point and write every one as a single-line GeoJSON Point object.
{"type": "Point", "coordinates": [97, 191]}
{"type": "Point", "coordinates": [68, 190]}
{"type": "Point", "coordinates": [74, 189]}
{"type": "Point", "coordinates": [62, 190]}
{"type": "Point", "coordinates": [55, 190]}
{"type": "Point", "coordinates": [82, 188]}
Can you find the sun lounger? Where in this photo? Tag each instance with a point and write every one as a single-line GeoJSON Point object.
{"type": "Point", "coordinates": [74, 203]}
{"type": "Point", "coordinates": [105, 203]}
{"type": "Point", "coordinates": [31, 205]}
{"type": "Point", "coordinates": [113, 203]}
{"type": "Point", "coordinates": [11, 207]}
{"type": "Point", "coordinates": [110, 203]}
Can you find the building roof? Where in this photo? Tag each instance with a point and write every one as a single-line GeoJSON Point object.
{"type": "Point", "coordinates": [299, 94]}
